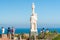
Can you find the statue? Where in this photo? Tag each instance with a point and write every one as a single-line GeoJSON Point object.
{"type": "Point", "coordinates": [33, 23]}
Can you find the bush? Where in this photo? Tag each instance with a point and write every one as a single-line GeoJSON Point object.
{"type": "Point", "coordinates": [57, 38]}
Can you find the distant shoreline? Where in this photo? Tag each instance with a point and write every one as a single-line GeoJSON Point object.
{"type": "Point", "coordinates": [27, 30]}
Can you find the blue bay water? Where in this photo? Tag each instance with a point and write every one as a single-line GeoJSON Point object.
{"type": "Point", "coordinates": [27, 30]}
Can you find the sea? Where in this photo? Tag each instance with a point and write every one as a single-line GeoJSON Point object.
{"type": "Point", "coordinates": [27, 30]}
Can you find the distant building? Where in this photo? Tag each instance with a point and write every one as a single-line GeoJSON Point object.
{"type": "Point", "coordinates": [33, 22]}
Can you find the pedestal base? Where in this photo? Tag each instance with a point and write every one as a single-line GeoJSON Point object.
{"type": "Point", "coordinates": [33, 36]}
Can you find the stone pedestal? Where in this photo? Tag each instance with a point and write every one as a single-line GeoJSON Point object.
{"type": "Point", "coordinates": [33, 36]}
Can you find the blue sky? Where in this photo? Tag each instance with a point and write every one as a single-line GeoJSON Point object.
{"type": "Point", "coordinates": [18, 12]}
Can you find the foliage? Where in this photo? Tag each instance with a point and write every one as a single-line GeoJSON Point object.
{"type": "Point", "coordinates": [57, 38]}
{"type": "Point", "coordinates": [41, 35]}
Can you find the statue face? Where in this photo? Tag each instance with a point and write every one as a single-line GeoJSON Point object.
{"type": "Point", "coordinates": [32, 14]}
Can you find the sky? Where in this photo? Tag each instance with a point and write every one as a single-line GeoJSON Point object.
{"type": "Point", "coordinates": [18, 12]}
